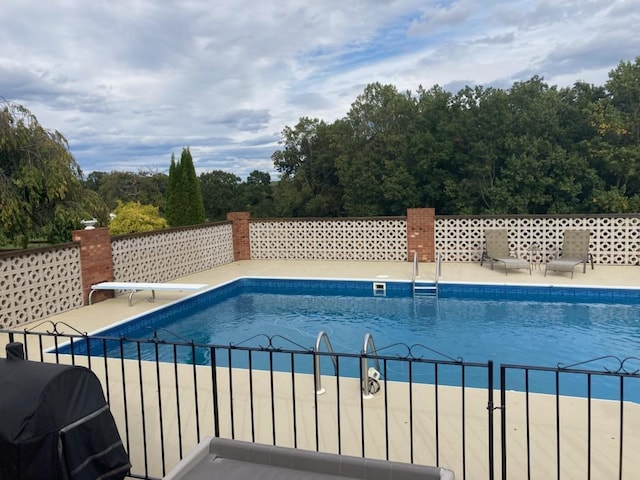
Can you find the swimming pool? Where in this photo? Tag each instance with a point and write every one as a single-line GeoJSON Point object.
{"type": "Point", "coordinates": [507, 324]}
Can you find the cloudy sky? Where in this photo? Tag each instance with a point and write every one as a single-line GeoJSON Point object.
{"type": "Point", "coordinates": [128, 82]}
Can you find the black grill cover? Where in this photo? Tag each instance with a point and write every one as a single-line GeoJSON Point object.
{"type": "Point", "coordinates": [55, 424]}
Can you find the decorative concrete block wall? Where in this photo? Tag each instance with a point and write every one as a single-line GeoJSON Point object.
{"type": "Point", "coordinates": [168, 254]}
{"type": "Point", "coordinates": [39, 283]}
{"type": "Point", "coordinates": [372, 239]}
{"type": "Point", "coordinates": [615, 239]}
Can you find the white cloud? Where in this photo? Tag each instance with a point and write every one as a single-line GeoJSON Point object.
{"type": "Point", "coordinates": [128, 83]}
{"type": "Point", "coordinates": [441, 16]}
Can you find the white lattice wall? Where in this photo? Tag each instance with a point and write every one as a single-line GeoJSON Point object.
{"type": "Point", "coordinates": [614, 240]}
{"type": "Point", "coordinates": [162, 256]}
{"type": "Point", "coordinates": [383, 239]}
{"type": "Point", "coordinates": [38, 284]}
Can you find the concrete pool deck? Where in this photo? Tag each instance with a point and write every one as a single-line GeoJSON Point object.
{"type": "Point", "coordinates": [604, 433]}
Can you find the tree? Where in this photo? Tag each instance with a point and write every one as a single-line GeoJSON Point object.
{"type": "Point", "coordinates": [309, 185]}
{"type": "Point", "coordinates": [377, 159]}
{"type": "Point", "coordinates": [512, 155]}
{"type": "Point", "coordinates": [220, 194]}
{"type": "Point", "coordinates": [41, 191]}
{"type": "Point", "coordinates": [133, 217]}
{"type": "Point", "coordinates": [286, 198]}
{"type": "Point", "coordinates": [145, 186]}
{"type": "Point", "coordinates": [184, 198]}
{"type": "Point", "coordinates": [94, 179]}
{"type": "Point", "coordinates": [175, 197]}
{"type": "Point", "coordinates": [257, 194]}
{"type": "Point", "coordinates": [433, 154]}
{"type": "Point", "coordinates": [616, 148]}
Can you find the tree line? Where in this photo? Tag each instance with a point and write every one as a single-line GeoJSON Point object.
{"type": "Point", "coordinates": [219, 193]}
{"type": "Point", "coordinates": [529, 149]}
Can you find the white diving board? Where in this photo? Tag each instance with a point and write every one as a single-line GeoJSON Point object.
{"type": "Point", "coordinates": [133, 287]}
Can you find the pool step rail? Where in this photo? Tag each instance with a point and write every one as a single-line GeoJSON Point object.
{"type": "Point", "coordinates": [425, 288]}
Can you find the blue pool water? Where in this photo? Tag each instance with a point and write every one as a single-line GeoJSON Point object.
{"type": "Point", "coordinates": [514, 325]}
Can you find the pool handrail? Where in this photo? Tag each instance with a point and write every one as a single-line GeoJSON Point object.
{"type": "Point", "coordinates": [368, 348]}
{"type": "Point", "coordinates": [316, 360]}
{"type": "Point", "coordinates": [416, 273]}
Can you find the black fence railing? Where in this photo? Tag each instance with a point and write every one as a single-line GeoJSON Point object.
{"type": "Point", "coordinates": [584, 436]}
{"type": "Point", "coordinates": [167, 394]}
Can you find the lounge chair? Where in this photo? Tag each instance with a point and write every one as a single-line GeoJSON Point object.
{"type": "Point", "coordinates": [498, 251]}
{"type": "Point", "coordinates": [575, 250]}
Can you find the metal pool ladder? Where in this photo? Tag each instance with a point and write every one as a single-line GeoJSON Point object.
{"type": "Point", "coordinates": [322, 337]}
{"type": "Point", "coordinates": [370, 375]}
{"type": "Point", "coordinates": [421, 287]}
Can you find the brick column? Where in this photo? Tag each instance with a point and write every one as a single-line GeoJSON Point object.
{"type": "Point", "coordinates": [96, 261]}
{"type": "Point", "coordinates": [421, 234]}
{"type": "Point", "coordinates": [241, 241]}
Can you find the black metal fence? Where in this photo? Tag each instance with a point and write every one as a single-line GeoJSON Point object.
{"type": "Point", "coordinates": [591, 420]}
{"type": "Point", "coordinates": [410, 404]}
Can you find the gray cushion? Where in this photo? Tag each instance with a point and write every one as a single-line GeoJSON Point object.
{"type": "Point", "coordinates": [234, 459]}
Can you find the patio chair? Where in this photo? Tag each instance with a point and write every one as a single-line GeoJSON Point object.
{"type": "Point", "coordinates": [497, 250]}
{"type": "Point", "coordinates": [575, 250]}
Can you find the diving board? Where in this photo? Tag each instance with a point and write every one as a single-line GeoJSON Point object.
{"type": "Point", "coordinates": [133, 287]}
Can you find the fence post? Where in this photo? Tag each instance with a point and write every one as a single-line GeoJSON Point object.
{"type": "Point", "coordinates": [240, 232]}
{"type": "Point", "coordinates": [96, 260]}
{"type": "Point", "coordinates": [503, 421]}
{"type": "Point", "coordinates": [421, 234]}
{"type": "Point", "coordinates": [490, 409]}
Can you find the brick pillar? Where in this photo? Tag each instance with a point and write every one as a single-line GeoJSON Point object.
{"type": "Point", "coordinates": [241, 241]}
{"type": "Point", "coordinates": [421, 233]}
{"type": "Point", "coordinates": [96, 261]}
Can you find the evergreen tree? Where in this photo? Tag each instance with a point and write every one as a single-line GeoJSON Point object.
{"type": "Point", "coordinates": [184, 198]}
{"type": "Point", "coordinates": [172, 211]}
